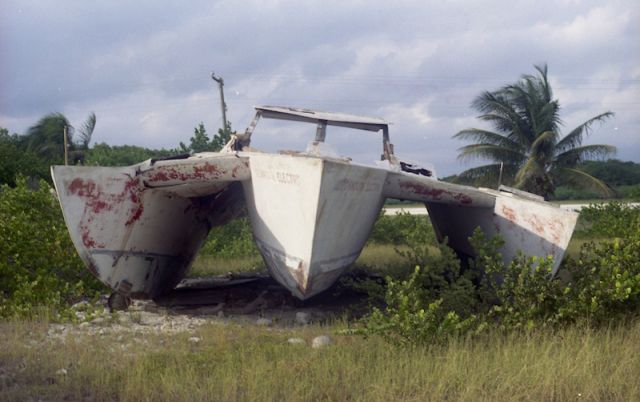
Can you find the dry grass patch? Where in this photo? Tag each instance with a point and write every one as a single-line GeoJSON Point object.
{"type": "Point", "coordinates": [244, 362]}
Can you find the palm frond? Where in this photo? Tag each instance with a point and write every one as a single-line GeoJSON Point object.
{"type": "Point", "coordinates": [514, 129]}
{"type": "Point", "coordinates": [549, 116]}
{"type": "Point", "coordinates": [487, 175]}
{"type": "Point", "coordinates": [544, 81]}
{"type": "Point", "coordinates": [86, 131]}
{"type": "Point", "coordinates": [574, 138]}
{"type": "Point", "coordinates": [487, 137]}
{"type": "Point", "coordinates": [491, 102]}
{"type": "Point", "coordinates": [578, 179]}
{"type": "Point", "coordinates": [491, 152]}
{"type": "Point", "coordinates": [580, 154]}
{"type": "Point", "coordinates": [499, 111]}
{"type": "Point", "coordinates": [542, 148]}
{"type": "Point", "coordinates": [530, 98]}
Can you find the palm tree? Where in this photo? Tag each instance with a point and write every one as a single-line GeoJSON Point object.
{"type": "Point", "coordinates": [526, 145]}
{"type": "Point", "coordinates": [86, 131]}
{"type": "Point", "coordinates": [81, 147]}
{"type": "Point", "coordinates": [46, 138]}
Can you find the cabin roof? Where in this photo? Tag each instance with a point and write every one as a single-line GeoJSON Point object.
{"type": "Point", "coordinates": [330, 119]}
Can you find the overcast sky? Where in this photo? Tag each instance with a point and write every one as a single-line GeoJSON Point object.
{"type": "Point", "coordinates": [144, 67]}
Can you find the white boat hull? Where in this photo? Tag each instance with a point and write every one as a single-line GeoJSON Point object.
{"type": "Point", "coordinates": [139, 228]}
{"type": "Point", "coordinates": [311, 217]}
{"type": "Point", "coordinates": [136, 230]}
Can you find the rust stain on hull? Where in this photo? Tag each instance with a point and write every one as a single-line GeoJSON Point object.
{"type": "Point", "coordinates": [435, 194]}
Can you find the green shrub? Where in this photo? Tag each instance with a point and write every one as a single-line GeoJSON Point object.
{"type": "Point", "coordinates": [570, 193]}
{"type": "Point", "coordinates": [521, 294]}
{"type": "Point", "coordinates": [39, 267]}
{"type": "Point", "coordinates": [631, 191]}
{"type": "Point", "coordinates": [233, 240]}
{"type": "Point", "coordinates": [605, 284]}
{"type": "Point", "coordinates": [439, 300]}
{"type": "Point", "coordinates": [609, 220]}
{"type": "Point", "coordinates": [413, 315]}
{"type": "Point", "coordinates": [396, 229]}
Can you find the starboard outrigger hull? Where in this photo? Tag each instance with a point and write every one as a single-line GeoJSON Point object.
{"type": "Point", "coordinates": [139, 228]}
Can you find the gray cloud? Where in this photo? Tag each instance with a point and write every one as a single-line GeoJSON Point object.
{"type": "Point", "coordinates": [143, 67]}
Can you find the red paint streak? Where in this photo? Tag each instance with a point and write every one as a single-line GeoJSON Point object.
{"type": "Point", "coordinates": [137, 213]}
{"type": "Point", "coordinates": [207, 171]}
{"type": "Point", "coordinates": [536, 224]}
{"type": "Point", "coordinates": [134, 194]}
{"type": "Point", "coordinates": [98, 205]}
{"type": "Point", "coordinates": [87, 240]}
{"type": "Point", "coordinates": [166, 174]}
{"type": "Point", "coordinates": [91, 192]}
{"type": "Point", "coordinates": [132, 187]}
{"type": "Point", "coordinates": [436, 194]}
{"type": "Point", "coordinates": [200, 171]}
{"type": "Point", "coordinates": [509, 213]}
{"type": "Point", "coordinates": [463, 198]}
{"type": "Point", "coordinates": [160, 175]}
{"type": "Point", "coordinates": [81, 188]}
{"type": "Point", "coordinates": [98, 202]}
{"type": "Point", "coordinates": [557, 228]}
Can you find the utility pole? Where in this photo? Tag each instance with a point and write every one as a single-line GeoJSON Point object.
{"type": "Point", "coordinates": [66, 158]}
{"type": "Point", "coordinates": [223, 106]}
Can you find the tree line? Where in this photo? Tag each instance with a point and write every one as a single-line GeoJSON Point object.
{"type": "Point", "coordinates": [32, 153]}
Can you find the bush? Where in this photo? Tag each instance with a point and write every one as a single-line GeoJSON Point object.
{"type": "Point", "coordinates": [605, 283]}
{"type": "Point", "coordinates": [399, 229]}
{"type": "Point", "coordinates": [609, 220]}
{"type": "Point", "coordinates": [412, 316]}
{"type": "Point", "coordinates": [437, 301]}
{"type": "Point", "coordinates": [233, 240]}
{"type": "Point", "coordinates": [521, 295]}
{"type": "Point", "coordinates": [631, 191]}
{"type": "Point", "coordinates": [440, 300]}
{"type": "Point", "coordinates": [39, 267]}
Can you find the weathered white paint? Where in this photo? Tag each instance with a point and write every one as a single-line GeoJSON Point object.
{"type": "Point", "coordinates": [138, 228]}
{"type": "Point", "coordinates": [132, 226]}
{"type": "Point", "coordinates": [311, 217]}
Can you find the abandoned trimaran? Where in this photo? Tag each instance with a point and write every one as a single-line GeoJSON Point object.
{"type": "Point", "coordinates": [138, 228]}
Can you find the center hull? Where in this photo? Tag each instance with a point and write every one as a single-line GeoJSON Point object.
{"type": "Point", "coordinates": [311, 216]}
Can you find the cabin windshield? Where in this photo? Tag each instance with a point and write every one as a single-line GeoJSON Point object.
{"type": "Point", "coordinates": [342, 129]}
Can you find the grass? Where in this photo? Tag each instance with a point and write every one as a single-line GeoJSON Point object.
{"type": "Point", "coordinates": [378, 258]}
{"type": "Point", "coordinates": [207, 265]}
{"type": "Point", "coordinates": [235, 362]}
{"type": "Point", "coordinates": [245, 362]}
